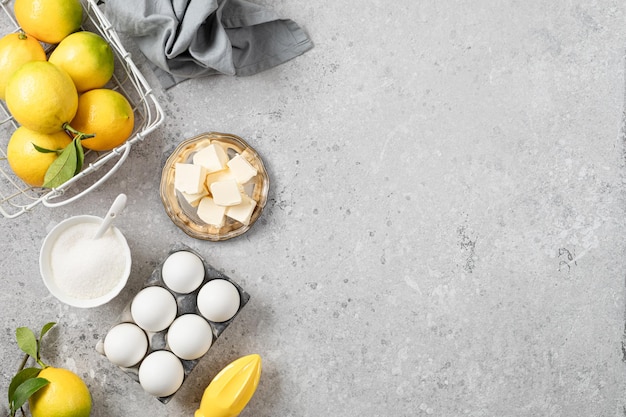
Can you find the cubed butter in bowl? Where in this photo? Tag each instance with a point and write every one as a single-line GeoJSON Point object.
{"type": "Point", "coordinates": [214, 186]}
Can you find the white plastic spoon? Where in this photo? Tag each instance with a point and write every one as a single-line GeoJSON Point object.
{"type": "Point", "coordinates": [116, 208]}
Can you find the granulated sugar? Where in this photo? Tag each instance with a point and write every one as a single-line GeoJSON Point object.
{"type": "Point", "coordinates": [84, 267]}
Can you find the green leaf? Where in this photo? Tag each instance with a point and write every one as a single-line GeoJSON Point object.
{"type": "Point", "coordinates": [26, 341]}
{"type": "Point", "coordinates": [80, 155]}
{"type": "Point", "coordinates": [44, 150]}
{"type": "Point", "coordinates": [62, 169]}
{"type": "Point", "coordinates": [20, 377]}
{"type": "Point", "coordinates": [25, 390]}
{"type": "Point", "coordinates": [46, 328]}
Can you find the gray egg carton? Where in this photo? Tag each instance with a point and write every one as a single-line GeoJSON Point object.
{"type": "Point", "coordinates": [186, 304]}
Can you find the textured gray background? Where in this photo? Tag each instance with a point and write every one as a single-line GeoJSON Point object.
{"type": "Point", "coordinates": [444, 231]}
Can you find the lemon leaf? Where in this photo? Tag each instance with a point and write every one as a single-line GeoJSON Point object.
{"type": "Point", "coordinates": [80, 155]}
{"type": "Point", "coordinates": [23, 392]}
{"type": "Point", "coordinates": [46, 328]}
{"type": "Point", "coordinates": [43, 331]}
{"type": "Point", "coordinates": [26, 341]}
{"type": "Point", "coordinates": [20, 377]}
{"type": "Point", "coordinates": [44, 150]}
{"type": "Point", "coordinates": [63, 168]}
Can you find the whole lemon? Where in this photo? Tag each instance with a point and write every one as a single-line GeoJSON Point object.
{"type": "Point", "coordinates": [28, 163]}
{"type": "Point", "coordinates": [16, 49]}
{"type": "Point", "coordinates": [65, 396]}
{"type": "Point", "coordinates": [107, 114]}
{"type": "Point", "coordinates": [49, 20]}
{"type": "Point", "coordinates": [87, 58]}
{"type": "Point", "coordinates": [41, 97]}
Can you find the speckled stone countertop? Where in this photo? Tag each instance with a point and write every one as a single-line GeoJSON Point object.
{"type": "Point", "coordinates": [444, 233]}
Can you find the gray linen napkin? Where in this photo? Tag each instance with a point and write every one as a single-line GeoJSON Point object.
{"type": "Point", "coordinates": [195, 38]}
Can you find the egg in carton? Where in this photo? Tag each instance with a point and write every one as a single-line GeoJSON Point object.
{"type": "Point", "coordinates": [172, 322]}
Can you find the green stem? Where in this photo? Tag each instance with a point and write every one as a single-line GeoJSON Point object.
{"type": "Point", "coordinates": [77, 133]}
{"type": "Point", "coordinates": [38, 358]}
{"type": "Point", "coordinates": [23, 364]}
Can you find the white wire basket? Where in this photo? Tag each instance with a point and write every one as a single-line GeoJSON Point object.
{"type": "Point", "coordinates": [16, 197]}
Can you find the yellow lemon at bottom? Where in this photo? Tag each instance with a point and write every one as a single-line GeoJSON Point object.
{"type": "Point", "coordinates": [28, 163]}
{"type": "Point", "coordinates": [16, 49]}
{"type": "Point", "coordinates": [41, 97]}
{"type": "Point", "coordinates": [108, 115]}
{"type": "Point", "coordinates": [65, 396]}
{"type": "Point", "coordinates": [87, 58]}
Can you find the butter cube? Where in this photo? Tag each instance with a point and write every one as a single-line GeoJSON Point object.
{"type": "Point", "coordinates": [242, 211]}
{"type": "Point", "coordinates": [242, 170]}
{"type": "Point", "coordinates": [189, 178]}
{"type": "Point", "coordinates": [211, 213]}
{"type": "Point", "coordinates": [217, 176]}
{"type": "Point", "coordinates": [226, 192]}
{"type": "Point", "coordinates": [213, 158]}
{"type": "Point", "coordinates": [194, 199]}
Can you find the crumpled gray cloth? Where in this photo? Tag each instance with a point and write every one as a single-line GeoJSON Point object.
{"type": "Point", "coordinates": [195, 38]}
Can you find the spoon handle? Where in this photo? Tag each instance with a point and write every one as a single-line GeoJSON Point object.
{"type": "Point", "coordinates": [117, 206]}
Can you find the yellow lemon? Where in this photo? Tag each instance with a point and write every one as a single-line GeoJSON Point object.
{"type": "Point", "coordinates": [41, 97]}
{"type": "Point", "coordinates": [27, 162]}
{"type": "Point", "coordinates": [49, 20]}
{"type": "Point", "coordinates": [16, 49]}
{"type": "Point", "coordinates": [107, 114]}
{"type": "Point", "coordinates": [87, 58]}
{"type": "Point", "coordinates": [65, 396]}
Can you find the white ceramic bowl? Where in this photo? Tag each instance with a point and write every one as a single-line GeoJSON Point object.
{"type": "Point", "coordinates": [45, 264]}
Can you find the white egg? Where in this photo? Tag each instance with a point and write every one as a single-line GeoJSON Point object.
{"type": "Point", "coordinates": [125, 344]}
{"type": "Point", "coordinates": [183, 272]}
{"type": "Point", "coordinates": [189, 336]}
{"type": "Point", "coordinates": [218, 300]}
{"type": "Point", "coordinates": [161, 373]}
{"type": "Point", "coordinates": [153, 308]}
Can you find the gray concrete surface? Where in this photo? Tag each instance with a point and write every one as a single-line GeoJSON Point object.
{"type": "Point", "coordinates": [445, 229]}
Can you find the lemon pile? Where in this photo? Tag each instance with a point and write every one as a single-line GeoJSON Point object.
{"type": "Point", "coordinates": [60, 99]}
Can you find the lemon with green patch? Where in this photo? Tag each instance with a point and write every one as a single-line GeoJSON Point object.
{"type": "Point", "coordinates": [87, 58]}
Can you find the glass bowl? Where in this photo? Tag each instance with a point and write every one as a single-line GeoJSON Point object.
{"type": "Point", "coordinates": [184, 214]}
